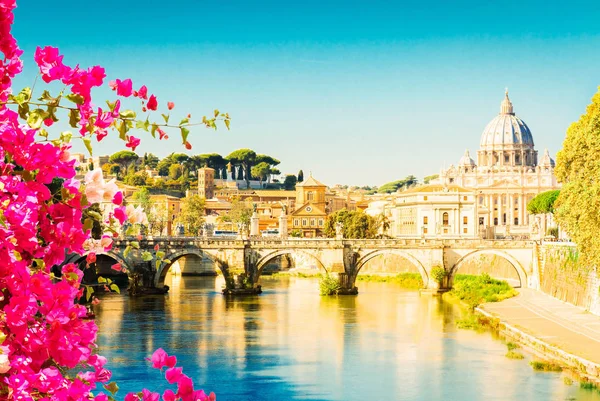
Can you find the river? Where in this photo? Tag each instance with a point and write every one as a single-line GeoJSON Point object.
{"type": "Point", "coordinates": [291, 344]}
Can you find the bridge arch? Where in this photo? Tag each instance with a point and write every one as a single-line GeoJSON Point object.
{"type": "Point", "coordinates": [483, 252]}
{"type": "Point", "coordinates": [159, 278]}
{"type": "Point", "coordinates": [264, 260]}
{"type": "Point", "coordinates": [77, 259]}
{"type": "Point", "coordinates": [399, 252]}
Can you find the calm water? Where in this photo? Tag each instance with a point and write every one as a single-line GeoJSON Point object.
{"type": "Point", "coordinates": [291, 344]}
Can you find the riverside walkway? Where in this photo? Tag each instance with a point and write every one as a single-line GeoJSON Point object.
{"type": "Point", "coordinates": [554, 322]}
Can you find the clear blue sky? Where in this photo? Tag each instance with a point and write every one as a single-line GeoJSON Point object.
{"type": "Point", "coordinates": [358, 92]}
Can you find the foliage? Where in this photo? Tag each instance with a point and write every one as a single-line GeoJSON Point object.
{"type": "Point", "coordinates": [514, 355]}
{"type": "Point", "coordinates": [137, 179]}
{"type": "Point", "coordinates": [543, 202]}
{"type": "Point", "coordinates": [158, 217]}
{"type": "Point", "coordinates": [191, 215]}
{"type": "Point", "coordinates": [124, 159]}
{"type": "Point", "coordinates": [47, 343]}
{"type": "Point", "coordinates": [244, 158]}
{"type": "Point", "coordinates": [289, 184]}
{"type": "Point", "coordinates": [404, 280]}
{"type": "Point", "coordinates": [261, 171]}
{"type": "Point", "coordinates": [356, 224]}
{"type": "Point", "coordinates": [474, 290]}
{"type": "Point", "coordinates": [300, 176]}
{"type": "Point", "coordinates": [430, 178]}
{"type": "Point", "coordinates": [295, 233]}
{"type": "Point", "coordinates": [396, 185]}
{"type": "Point", "coordinates": [328, 285]}
{"type": "Point", "coordinates": [150, 160]}
{"type": "Point", "coordinates": [545, 366]}
{"type": "Point", "coordinates": [240, 214]}
{"type": "Point", "coordinates": [438, 273]}
{"type": "Point", "coordinates": [577, 167]}
{"type": "Point", "coordinates": [174, 171]}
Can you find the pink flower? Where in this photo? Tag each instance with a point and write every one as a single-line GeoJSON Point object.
{"type": "Point", "coordinates": [188, 145]}
{"type": "Point", "coordinates": [173, 374]}
{"type": "Point", "coordinates": [132, 142]}
{"type": "Point", "coordinates": [156, 247]}
{"type": "Point", "coordinates": [118, 198]}
{"type": "Point", "coordinates": [117, 267]}
{"type": "Point", "coordinates": [143, 92]}
{"type": "Point", "coordinates": [161, 134]}
{"type": "Point", "coordinates": [91, 258]}
{"type": "Point", "coordinates": [168, 395]}
{"type": "Point", "coordinates": [160, 359]}
{"type": "Point", "coordinates": [147, 395]}
{"type": "Point", "coordinates": [123, 88]}
{"type": "Point", "coordinates": [131, 397]}
{"type": "Point", "coordinates": [120, 214]}
{"type": "Point", "coordinates": [152, 103]}
{"type": "Point", "coordinates": [170, 105]}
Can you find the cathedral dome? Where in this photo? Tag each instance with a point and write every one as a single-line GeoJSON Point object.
{"type": "Point", "coordinates": [466, 160]}
{"type": "Point", "coordinates": [506, 129]}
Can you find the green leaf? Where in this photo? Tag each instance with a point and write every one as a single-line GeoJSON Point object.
{"type": "Point", "coordinates": [75, 98]}
{"type": "Point", "coordinates": [95, 215]}
{"type": "Point", "coordinates": [115, 288]}
{"type": "Point", "coordinates": [89, 291]}
{"type": "Point", "coordinates": [160, 254]}
{"type": "Point", "coordinates": [127, 251]}
{"type": "Point", "coordinates": [135, 244]}
{"type": "Point", "coordinates": [46, 96]}
{"type": "Point", "coordinates": [129, 114]}
{"type": "Point", "coordinates": [101, 280]}
{"type": "Point", "coordinates": [166, 118]}
{"type": "Point", "coordinates": [112, 387]}
{"type": "Point", "coordinates": [23, 96]}
{"type": "Point", "coordinates": [40, 263]}
{"type": "Point", "coordinates": [145, 125]}
{"type": "Point", "coordinates": [122, 127]}
{"type": "Point", "coordinates": [184, 134]}
{"type": "Point", "coordinates": [88, 224]}
{"type": "Point", "coordinates": [227, 124]}
{"type": "Point", "coordinates": [217, 113]}
{"type": "Point", "coordinates": [43, 133]}
{"type": "Point", "coordinates": [88, 144]}
{"type": "Point", "coordinates": [166, 261]}
{"type": "Point", "coordinates": [36, 118]}
{"type": "Point", "coordinates": [146, 256]}
{"type": "Point", "coordinates": [153, 130]}
{"type": "Point", "coordinates": [66, 136]}
{"type": "Point", "coordinates": [184, 121]}
{"type": "Point", "coordinates": [74, 118]}
{"type": "Point", "coordinates": [24, 111]}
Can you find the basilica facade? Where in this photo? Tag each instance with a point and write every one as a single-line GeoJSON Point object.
{"type": "Point", "coordinates": [507, 175]}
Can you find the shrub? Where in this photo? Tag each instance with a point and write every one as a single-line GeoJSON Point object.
{"type": "Point", "coordinates": [438, 273]}
{"type": "Point", "coordinates": [474, 290]}
{"type": "Point", "coordinates": [328, 285]}
{"type": "Point", "coordinates": [541, 366]}
{"type": "Point", "coordinates": [514, 355]}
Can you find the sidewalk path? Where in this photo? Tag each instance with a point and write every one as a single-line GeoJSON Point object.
{"type": "Point", "coordinates": [565, 326]}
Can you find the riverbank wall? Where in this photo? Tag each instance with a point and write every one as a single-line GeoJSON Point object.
{"type": "Point", "coordinates": [583, 367]}
{"type": "Point", "coordinates": [563, 277]}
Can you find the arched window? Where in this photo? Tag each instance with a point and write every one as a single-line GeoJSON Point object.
{"type": "Point", "coordinates": [309, 196]}
{"type": "Point", "coordinates": [445, 218]}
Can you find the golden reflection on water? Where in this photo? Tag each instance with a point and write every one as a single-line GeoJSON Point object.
{"type": "Point", "coordinates": [384, 344]}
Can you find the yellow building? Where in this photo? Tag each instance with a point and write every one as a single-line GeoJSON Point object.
{"type": "Point", "coordinates": [206, 182]}
{"type": "Point", "coordinates": [309, 217]}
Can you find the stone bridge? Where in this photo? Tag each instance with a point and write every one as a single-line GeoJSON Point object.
{"type": "Point", "coordinates": [242, 261]}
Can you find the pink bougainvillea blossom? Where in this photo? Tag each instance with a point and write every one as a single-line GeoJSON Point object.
{"type": "Point", "coordinates": [132, 142]}
{"type": "Point", "coordinates": [152, 103]}
{"type": "Point", "coordinates": [124, 88]}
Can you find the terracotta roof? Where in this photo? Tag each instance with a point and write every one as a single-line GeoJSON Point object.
{"type": "Point", "coordinates": [310, 182]}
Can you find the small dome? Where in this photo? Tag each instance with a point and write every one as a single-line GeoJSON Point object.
{"type": "Point", "coordinates": [466, 160]}
{"type": "Point", "coordinates": [547, 161]}
{"type": "Point", "coordinates": [506, 129]}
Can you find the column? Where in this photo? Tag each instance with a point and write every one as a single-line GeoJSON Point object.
{"type": "Point", "coordinates": [511, 210]}
{"type": "Point", "coordinates": [491, 213]}
{"type": "Point", "coordinates": [499, 210]}
{"type": "Point", "coordinates": [522, 209]}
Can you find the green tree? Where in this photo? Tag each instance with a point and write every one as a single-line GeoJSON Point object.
{"type": "Point", "coordinates": [240, 214]}
{"type": "Point", "coordinates": [240, 176]}
{"type": "Point", "coordinates": [150, 160]}
{"type": "Point", "coordinates": [356, 224]}
{"type": "Point", "coordinates": [289, 183]}
{"type": "Point", "coordinates": [191, 215]}
{"type": "Point", "coordinates": [394, 186]}
{"type": "Point", "coordinates": [174, 171]}
{"type": "Point", "coordinates": [124, 158]}
{"type": "Point", "coordinates": [245, 158]}
{"type": "Point", "coordinates": [261, 171]}
{"type": "Point", "coordinates": [543, 202]}
{"type": "Point", "coordinates": [430, 178]}
{"type": "Point", "coordinates": [577, 167]}
{"type": "Point", "coordinates": [141, 197]}
{"type": "Point", "coordinates": [300, 176]}
{"type": "Point", "coordinates": [164, 165]}
{"type": "Point", "coordinates": [137, 179]}
{"type": "Point", "coordinates": [158, 217]}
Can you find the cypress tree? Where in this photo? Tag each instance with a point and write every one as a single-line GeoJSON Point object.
{"type": "Point", "coordinates": [300, 176]}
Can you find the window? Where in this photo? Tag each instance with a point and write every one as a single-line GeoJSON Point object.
{"type": "Point", "coordinates": [518, 159]}
{"type": "Point", "coordinates": [445, 218]}
{"type": "Point", "coordinates": [424, 230]}
{"type": "Point", "coordinates": [304, 222]}
{"type": "Point", "coordinates": [465, 230]}
{"type": "Point", "coordinates": [451, 180]}
{"type": "Point", "coordinates": [309, 196]}
{"type": "Point", "coordinates": [445, 231]}
{"type": "Point", "coordinates": [516, 221]}
{"type": "Point", "coordinates": [313, 222]}
{"type": "Point", "coordinates": [481, 221]}
{"type": "Point", "coordinates": [425, 220]}
{"type": "Point", "coordinates": [464, 198]}
{"type": "Point", "coordinates": [465, 220]}
{"type": "Point", "coordinates": [296, 222]}
{"type": "Point", "coordinates": [424, 198]}
{"type": "Point", "coordinates": [495, 221]}
{"type": "Point", "coordinates": [506, 158]}
{"type": "Point", "coordinates": [320, 222]}
{"type": "Point", "coordinates": [481, 200]}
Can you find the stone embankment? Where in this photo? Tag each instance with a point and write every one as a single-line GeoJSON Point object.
{"type": "Point", "coordinates": [554, 330]}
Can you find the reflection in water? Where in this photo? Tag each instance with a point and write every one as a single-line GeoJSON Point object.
{"type": "Point", "coordinates": [290, 343]}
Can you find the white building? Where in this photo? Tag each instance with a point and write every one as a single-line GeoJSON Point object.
{"type": "Point", "coordinates": [507, 174]}
{"type": "Point", "coordinates": [435, 211]}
